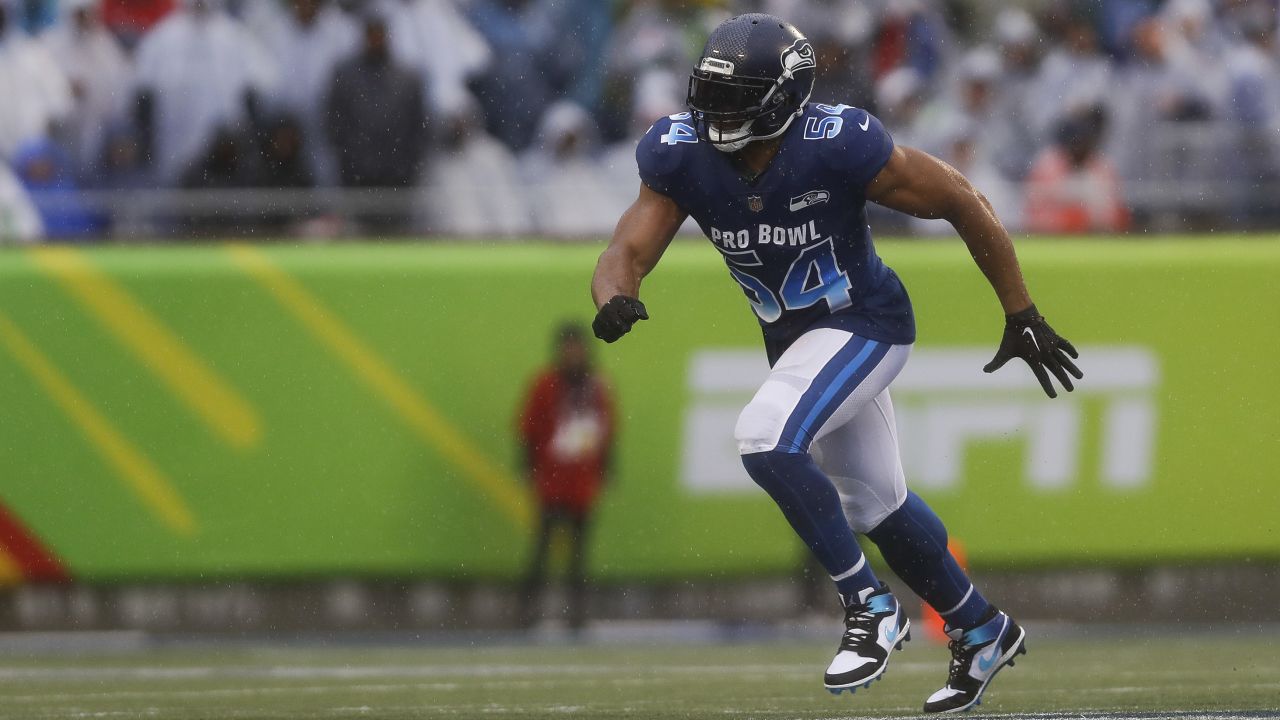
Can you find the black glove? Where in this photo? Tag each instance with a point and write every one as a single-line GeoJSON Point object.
{"type": "Point", "coordinates": [1028, 336]}
{"type": "Point", "coordinates": [617, 316]}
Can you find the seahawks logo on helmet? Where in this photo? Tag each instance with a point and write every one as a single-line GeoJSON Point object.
{"type": "Point", "coordinates": [798, 57]}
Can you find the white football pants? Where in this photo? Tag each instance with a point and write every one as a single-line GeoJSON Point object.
{"type": "Point", "coordinates": [828, 395]}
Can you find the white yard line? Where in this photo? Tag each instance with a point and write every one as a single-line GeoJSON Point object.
{"type": "Point", "coordinates": [226, 692]}
{"type": "Point", "coordinates": [307, 672]}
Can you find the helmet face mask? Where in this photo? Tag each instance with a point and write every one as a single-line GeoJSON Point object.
{"type": "Point", "coordinates": [754, 78]}
{"type": "Point", "coordinates": [728, 100]}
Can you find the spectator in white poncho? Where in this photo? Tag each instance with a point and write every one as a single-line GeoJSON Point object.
{"type": "Point", "coordinates": [1018, 39]}
{"type": "Point", "coordinates": [968, 99]}
{"type": "Point", "coordinates": [433, 38]}
{"type": "Point", "coordinates": [308, 39]}
{"type": "Point", "coordinates": [648, 67]}
{"type": "Point", "coordinates": [19, 219]}
{"type": "Point", "coordinates": [199, 70]}
{"type": "Point", "coordinates": [34, 92]}
{"type": "Point", "coordinates": [473, 186]}
{"type": "Point", "coordinates": [1253, 106]}
{"type": "Point", "coordinates": [569, 189]}
{"type": "Point", "coordinates": [1073, 76]}
{"type": "Point", "coordinates": [902, 103]}
{"type": "Point", "coordinates": [1153, 97]}
{"type": "Point", "coordinates": [99, 74]}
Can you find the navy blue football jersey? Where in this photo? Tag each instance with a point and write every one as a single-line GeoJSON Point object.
{"type": "Point", "coordinates": [796, 239]}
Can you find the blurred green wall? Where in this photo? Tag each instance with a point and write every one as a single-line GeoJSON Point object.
{"type": "Point", "coordinates": [223, 411]}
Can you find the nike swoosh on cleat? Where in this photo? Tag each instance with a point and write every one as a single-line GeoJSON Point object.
{"type": "Point", "coordinates": [988, 657]}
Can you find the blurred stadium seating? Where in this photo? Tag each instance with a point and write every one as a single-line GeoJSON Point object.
{"type": "Point", "coordinates": [518, 118]}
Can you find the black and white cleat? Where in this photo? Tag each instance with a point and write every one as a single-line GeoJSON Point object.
{"type": "Point", "coordinates": [976, 656]}
{"type": "Point", "coordinates": [874, 628]}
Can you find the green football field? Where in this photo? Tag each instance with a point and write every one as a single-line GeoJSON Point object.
{"type": "Point", "coordinates": [1204, 674]}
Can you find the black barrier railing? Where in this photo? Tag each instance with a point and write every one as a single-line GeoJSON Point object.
{"type": "Point", "coordinates": [1193, 205]}
{"type": "Point", "coordinates": [1188, 176]}
{"type": "Point", "coordinates": [178, 214]}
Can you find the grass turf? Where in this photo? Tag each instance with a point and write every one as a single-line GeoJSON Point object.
{"type": "Point", "coordinates": [1204, 672]}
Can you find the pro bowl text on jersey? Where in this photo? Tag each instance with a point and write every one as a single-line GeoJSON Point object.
{"type": "Point", "coordinates": [767, 234]}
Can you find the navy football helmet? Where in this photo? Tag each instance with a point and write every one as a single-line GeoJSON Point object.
{"type": "Point", "coordinates": [754, 77]}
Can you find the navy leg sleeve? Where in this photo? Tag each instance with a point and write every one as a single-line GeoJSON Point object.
{"type": "Point", "coordinates": [913, 542]}
{"type": "Point", "coordinates": [810, 503]}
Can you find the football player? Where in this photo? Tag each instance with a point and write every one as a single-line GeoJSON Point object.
{"type": "Point", "coordinates": [779, 186]}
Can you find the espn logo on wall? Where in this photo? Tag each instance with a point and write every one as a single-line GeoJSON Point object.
{"type": "Point", "coordinates": [945, 405]}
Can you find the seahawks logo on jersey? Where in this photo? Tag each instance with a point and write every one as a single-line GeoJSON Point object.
{"type": "Point", "coordinates": [798, 57]}
{"type": "Point", "coordinates": [809, 199]}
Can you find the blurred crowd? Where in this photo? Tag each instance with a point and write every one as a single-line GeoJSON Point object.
{"type": "Point", "coordinates": [511, 117]}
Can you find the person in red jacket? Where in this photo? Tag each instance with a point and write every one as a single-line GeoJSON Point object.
{"type": "Point", "coordinates": [567, 432]}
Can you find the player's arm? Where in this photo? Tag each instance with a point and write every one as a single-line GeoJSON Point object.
{"type": "Point", "coordinates": [643, 233]}
{"type": "Point", "coordinates": [921, 185]}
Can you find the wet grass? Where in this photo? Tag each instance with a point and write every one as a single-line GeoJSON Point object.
{"type": "Point", "coordinates": [1213, 674]}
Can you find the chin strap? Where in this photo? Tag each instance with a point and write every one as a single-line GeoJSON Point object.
{"type": "Point", "coordinates": [735, 146]}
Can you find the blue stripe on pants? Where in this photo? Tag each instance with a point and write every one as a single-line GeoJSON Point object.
{"type": "Point", "coordinates": [829, 389]}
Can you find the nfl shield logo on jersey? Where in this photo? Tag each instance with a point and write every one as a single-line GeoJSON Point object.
{"type": "Point", "coordinates": [755, 202]}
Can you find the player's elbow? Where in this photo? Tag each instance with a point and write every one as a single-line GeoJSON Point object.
{"type": "Point", "coordinates": [966, 204]}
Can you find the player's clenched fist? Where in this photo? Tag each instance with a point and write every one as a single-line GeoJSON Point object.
{"type": "Point", "coordinates": [617, 316]}
{"type": "Point", "coordinates": [1028, 336]}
